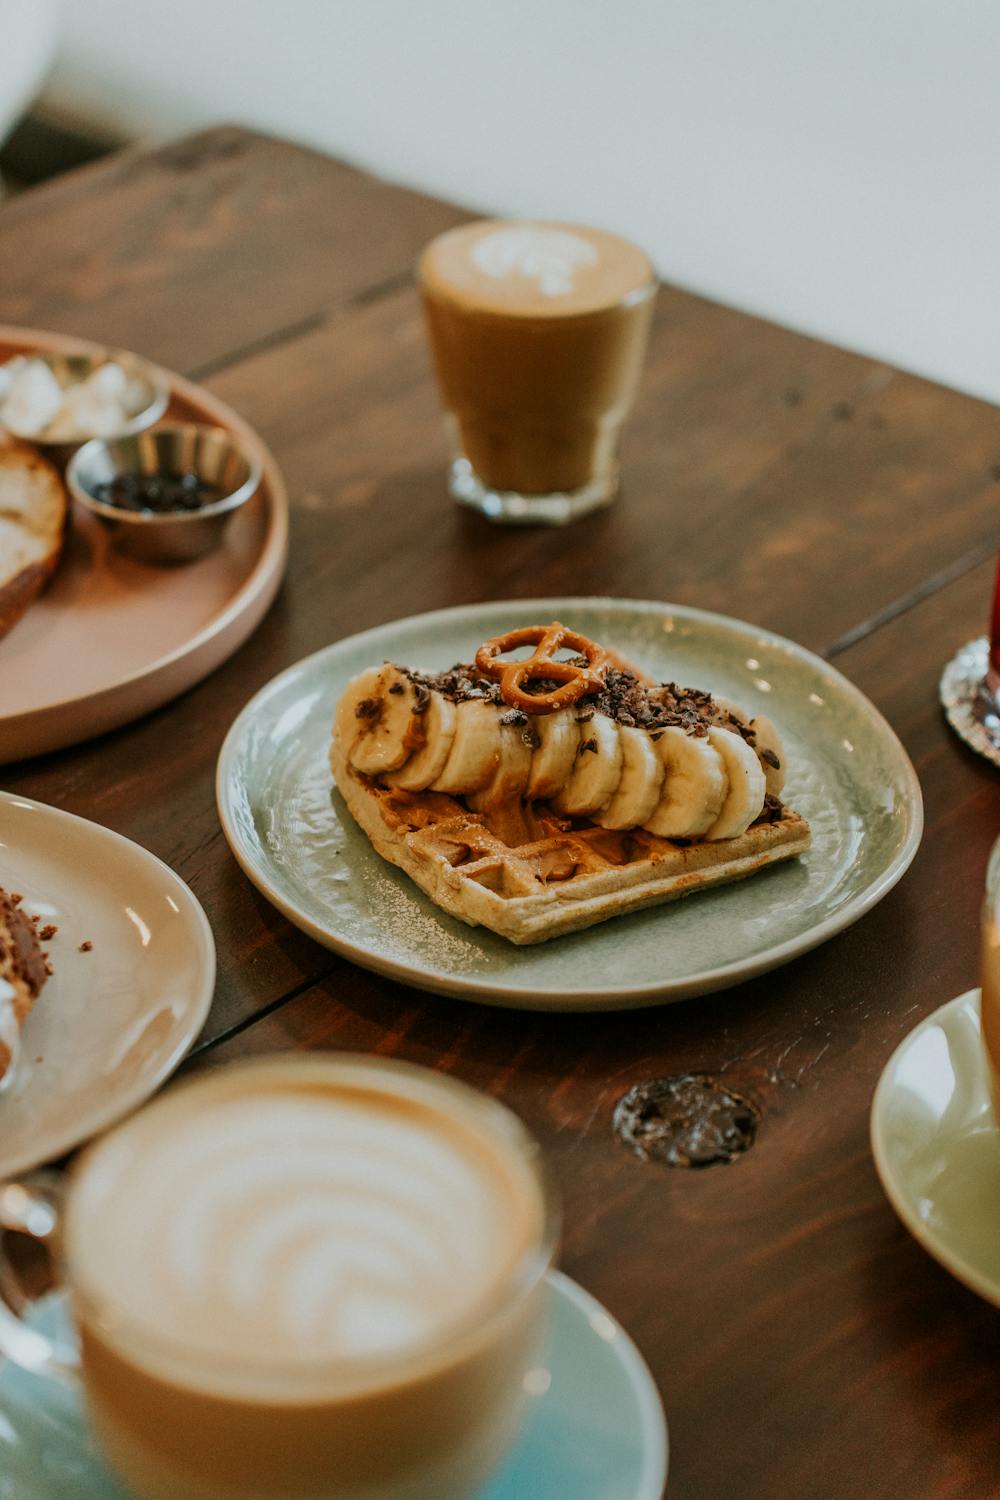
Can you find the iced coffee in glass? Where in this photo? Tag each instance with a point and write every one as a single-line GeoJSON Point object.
{"type": "Point", "coordinates": [538, 333]}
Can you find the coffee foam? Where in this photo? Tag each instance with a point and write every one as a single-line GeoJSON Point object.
{"type": "Point", "coordinates": [549, 257]}
{"type": "Point", "coordinates": [296, 1223]}
{"type": "Point", "coordinates": [519, 269]}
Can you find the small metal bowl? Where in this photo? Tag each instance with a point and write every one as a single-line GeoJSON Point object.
{"type": "Point", "coordinates": [173, 536]}
{"type": "Point", "coordinates": [150, 395]}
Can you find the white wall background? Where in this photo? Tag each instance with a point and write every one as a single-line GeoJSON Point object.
{"type": "Point", "coordinates": [832, 166]}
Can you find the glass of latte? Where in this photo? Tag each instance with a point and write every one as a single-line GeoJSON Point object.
{"type": "Point", "coordinates": [538, 333]}
{"type": "Point", "coordinates": [315, 1277]}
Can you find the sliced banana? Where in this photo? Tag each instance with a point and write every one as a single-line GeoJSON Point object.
{"type": "Point", "coordinates": [552, 762]}
{"type": "Point", "coordinates": [475, 748]}
{"type": "Point", "coordinates": [694, 785]}
{"type": "Point", "coordinates": [596, 771]}
{"type": "Point", "coordinates": [641, 782]}
{"type": "Point", "coordinates": [727, 706]}
{"type": "Point", "coordinates": [511, 775]}
{"type": "Point", "coordinates": [769, 747]}
{"type": "Point", "coordinates": [376, 721]}
{"type": "Point", "coordinates": [425, 764]}
{"type": "Point", "coordinates": [767, 743]}
{"type": "Point", "coordinates": [745, 793]}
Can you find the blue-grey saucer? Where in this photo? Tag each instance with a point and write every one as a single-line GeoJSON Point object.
{"type": "Point", "coordinates": [594, 1429]}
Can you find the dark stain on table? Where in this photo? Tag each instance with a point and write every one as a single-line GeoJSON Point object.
{"type": "Point", "coordinates": [690, 1120]}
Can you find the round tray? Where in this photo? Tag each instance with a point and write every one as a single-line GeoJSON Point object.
{"type": "Point", "coordinates": [111, 638]}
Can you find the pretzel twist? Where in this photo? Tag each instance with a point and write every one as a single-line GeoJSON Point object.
{"type": "Point", "coordinates": [514, 676]}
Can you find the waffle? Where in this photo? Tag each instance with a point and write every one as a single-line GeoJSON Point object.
{"type": "Point", "coordinates": [530, 875]}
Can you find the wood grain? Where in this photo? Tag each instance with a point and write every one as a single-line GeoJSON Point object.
{"type": "Point", "coordinates": [195, 251]}
{"type": "Point", "coordinates": [804, 1344]}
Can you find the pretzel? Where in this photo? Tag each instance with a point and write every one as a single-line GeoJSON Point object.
{"type": "Point", "coordinates": [576, 681]}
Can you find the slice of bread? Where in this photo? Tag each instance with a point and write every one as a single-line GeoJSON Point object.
{"type": "Point", "coordinates": [33, 511]}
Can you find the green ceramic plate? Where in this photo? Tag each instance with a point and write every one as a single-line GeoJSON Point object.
{"type": "Point", "coordinates": [937, 1147]}
{"type": "Point", "coordinates": [847, 773]}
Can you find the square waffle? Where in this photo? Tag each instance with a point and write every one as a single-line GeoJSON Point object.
{"type": "Point", "coordinates": [530, 875]}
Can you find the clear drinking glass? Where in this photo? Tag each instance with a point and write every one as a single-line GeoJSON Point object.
{"type": "Point", "coordinates": [538, 333]}
{"type": "Point", "coordinates": [988, 706]}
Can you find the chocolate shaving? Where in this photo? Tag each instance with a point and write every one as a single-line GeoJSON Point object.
{"type": "Point", "coordinates": [771, 759]}
{"type": "Point", "coordinates": [368, 708]}
{"type": "Point", "coordinates": [514, 716]}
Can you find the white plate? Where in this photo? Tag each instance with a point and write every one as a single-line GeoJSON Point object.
{"type": "Point", "coordinates": [112, 1023]}
{"type": "Point", "coordinates": [937, 1147]}
{"type": "Point", "coordinates": [112, 638]}
{"type": "Point", "coordinates": [847, 773]}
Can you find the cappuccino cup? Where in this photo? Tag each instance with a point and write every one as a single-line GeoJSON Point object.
{"type": "Point", "coordinates": [538, 333]}
{"type": "Point", "coordinates": [313, 1277]}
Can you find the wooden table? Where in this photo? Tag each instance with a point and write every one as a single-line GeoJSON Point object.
{"type": "Point", "coordinates": [805, 1346]}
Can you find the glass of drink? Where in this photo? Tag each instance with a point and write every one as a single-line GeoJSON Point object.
{"type": "Point", "coordinates": [300, 1278]}
{"type": "Point", "coordinates": [538, 333]}
{"type": "Point", "coordinates": [988, 707]}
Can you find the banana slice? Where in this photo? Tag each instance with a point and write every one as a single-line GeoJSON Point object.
{"type": "Point", "coordinates": [552, 762]}
{"type": "Point", "coordinates": [437, 724]}
{"type": "Point", "coordinates": [767, 743]}
{"type": "Point", "coordinates": [641, 782]}
{"type": "Point", "coordinates": [376, 721]}
{"type": "Point", "coordinates": [511, 775]}
{"type": "Point", "coordinates": [770, 753]}
{"type": "Point", "coordinates": [694, 785]}
{"type": "Point", "coordinates": [475, 750]}
{"type": "Point", "coordinates": [347, 723]}
{"type": "Point", "coordinates": [745, 794]}
{"type": "Point", "coordinates": [727, 706]}
{"type": "Point", "coordinates": [596, 771]}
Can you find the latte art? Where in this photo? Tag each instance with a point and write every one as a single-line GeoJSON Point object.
{"type": "Point", "coordinates": [300, 1223]}
{"type": "Point", "coordinates": [549, 257]}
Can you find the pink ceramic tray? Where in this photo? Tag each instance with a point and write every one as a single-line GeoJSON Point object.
{"type": "Point", "coordinates": [110, 638]}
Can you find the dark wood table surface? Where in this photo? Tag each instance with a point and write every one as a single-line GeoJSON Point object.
{"type": "Point", "coordinates": [805, 1347]}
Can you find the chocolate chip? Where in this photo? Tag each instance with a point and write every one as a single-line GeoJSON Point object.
{"type": "Point", "coordinates": [514, 716]}
{"type": "Point", "coordinates": [771, 758]}
{"type": "Point", "coordinates": [589, 745]}
{"type": "Point", "coordinates": [368, 708]}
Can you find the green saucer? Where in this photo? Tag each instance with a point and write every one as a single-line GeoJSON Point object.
{"type": "Point", "coordinates": [594, 1429]}
{"type": "Point", "coordinates": [937, 1146]}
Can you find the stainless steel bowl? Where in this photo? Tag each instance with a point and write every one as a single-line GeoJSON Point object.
{"type": "Point", "coordinates": [150, 396]}
{"type": "Point", "coordinates": [175, 536]}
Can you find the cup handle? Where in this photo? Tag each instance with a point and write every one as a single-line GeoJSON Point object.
{"type": "Point", "coordinates": [32, 1207]}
